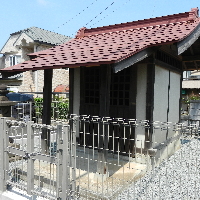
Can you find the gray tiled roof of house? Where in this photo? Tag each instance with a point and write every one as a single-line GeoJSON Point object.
{"type": "Point", "coordinates": [44, 36]}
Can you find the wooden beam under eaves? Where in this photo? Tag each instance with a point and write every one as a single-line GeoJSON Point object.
{"type": "Point", "coordinates": [191, 58]}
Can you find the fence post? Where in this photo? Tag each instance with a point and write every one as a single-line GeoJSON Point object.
{"type": "Point", "coordinates": [3, 154]}
{"type": "Point", "coordinates": [59, 156]}
{"type": "Point", "coordinates": [66, 163]}
{"type": "Point", "coordinates": [73, 129]}
{"type": "Point", "coordinates": [30, 150]}
{"type": "Point", "coordinates": [102, 148]}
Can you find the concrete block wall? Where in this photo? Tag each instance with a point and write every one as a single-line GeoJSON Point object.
{"type": "Point", "coordinates": [34, 81]}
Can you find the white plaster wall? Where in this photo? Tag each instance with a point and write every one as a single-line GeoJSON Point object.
{"type": "Point", "coordinates": [174, 108]}
{"type": "Point", "coordinates": [160, 114]}
{"type": "Point", "coordinates": [160, 102]}
{"type": "Point", "coordinates": [141, 103]}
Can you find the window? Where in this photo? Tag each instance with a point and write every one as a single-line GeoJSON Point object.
{"type": "Point", "coordinates": [15, 59]}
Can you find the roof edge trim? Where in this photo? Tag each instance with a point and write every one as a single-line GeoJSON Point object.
{"type": "Point", "coordinates": [184, 44]}
{"type": "Point", "coordinates": [133, 59]}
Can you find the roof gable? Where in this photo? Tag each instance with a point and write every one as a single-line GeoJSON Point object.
{"type": "Point", "coordinates": [44, 36]}
{"type": "Point", "coordinates": [9, 45]}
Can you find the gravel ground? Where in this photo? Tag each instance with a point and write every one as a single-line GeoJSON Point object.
{"type": "Point", "coordinates": [175, 178]}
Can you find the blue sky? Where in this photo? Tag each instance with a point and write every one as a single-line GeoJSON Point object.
{"type": "Point", "coordinates": [67, 16]}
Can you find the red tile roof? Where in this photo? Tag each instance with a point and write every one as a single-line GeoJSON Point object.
{"type": "Point", "coordinates": [61, 88]}
{"type": "Point", "coordinates": [114, 43]}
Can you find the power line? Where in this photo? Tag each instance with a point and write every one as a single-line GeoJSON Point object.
{"type": "Point", "coordinates": [110, 13]}
{"type": "Point", "coordinates": [100, 13]}
{"type": "Point", "coordinates": [77, 14]}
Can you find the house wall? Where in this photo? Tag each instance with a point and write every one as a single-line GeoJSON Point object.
{"type": "Point", "coordinates": [60, 76]}
{"type": "Point", "coordinates": [2, 62]}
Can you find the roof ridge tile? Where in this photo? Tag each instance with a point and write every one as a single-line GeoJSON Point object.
{"type": "Point", "coordinates": [163, 20]}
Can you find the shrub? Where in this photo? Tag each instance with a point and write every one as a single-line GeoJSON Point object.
{"type": "Point", "coordinates": [59, 107]}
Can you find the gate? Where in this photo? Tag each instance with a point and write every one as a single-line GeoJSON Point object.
{"type": "Point", "coordinates": [28, 164]}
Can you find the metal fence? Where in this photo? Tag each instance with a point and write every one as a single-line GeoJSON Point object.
{"type": "Point", "coordinates": [33, 110]}
{"type": "Point", "coordinates": [99, 158]}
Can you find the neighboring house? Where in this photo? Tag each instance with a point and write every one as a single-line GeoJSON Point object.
{"type": "Point", "coordinates": [191, 84]}
{"type": "Point", "coordinates": [130, 70]}
{"type": "Point", "coordinates": [16, 50]}
{"type": "Point", "coordinates": [190, 91]}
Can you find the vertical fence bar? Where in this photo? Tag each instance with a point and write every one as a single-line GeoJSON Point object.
{"type": "Point", "coordinates": [66, 163]}
{"type": "Point", "coordinates": [6, 156]}
{"type": "Point", "coordinates": [73, 154]}
{"type": "Point", "coordinates": [3, 155]}
{"type": "Point", "coordinates": [59, 161]}
{"type": "Point", "coordinates": [101, 166]}
{"type": "Point", "coordinates": [30, 149]}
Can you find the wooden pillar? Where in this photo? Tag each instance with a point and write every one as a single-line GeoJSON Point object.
{"type": "Point", "coordinates": [105, 91]}
{"type": "Point", "coordinates": [104, 112]}
{"type": "Point", "coordinates": [150, 103]}
{"type": "Point", "coordinates": [47, 95]}
{"type": "Point", "coordinates": [71, 90]}
{"type": "Point", "coordinates": [46, 116]}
